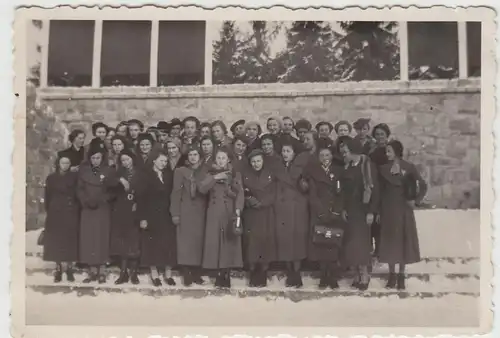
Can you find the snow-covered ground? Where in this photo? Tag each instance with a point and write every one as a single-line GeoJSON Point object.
{"type": "Point", "coordinates": [449, 240]}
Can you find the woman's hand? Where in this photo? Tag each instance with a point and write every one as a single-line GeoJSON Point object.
{"type": "Point", "coordinates": [221, 176]}
{"type": "Point", "coordinates": [125, 183]}
{"type": "Point", "coordinates": [238, 212]}
{"type": "Point", "coordinates": [344, 215]}
{"type": "Point", "coordinates": [176, 220]}
{"type": "Point", "coordinates": [369, 218]}
{"type": "Point", "coordinates": [74, 169]}
{"type": "Point", "coordinates": [143, 224]}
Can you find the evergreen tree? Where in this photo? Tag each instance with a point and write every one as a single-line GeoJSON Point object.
{"type": "Point", "coordinates": [309, 54]}
{"type": "Point", "coordinates": [224, 63]}
{"type": "Point", "coordinates": [368, 51]}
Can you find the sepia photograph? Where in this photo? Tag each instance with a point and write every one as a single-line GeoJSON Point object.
{"type": "Point", "coordinates": [330, 169]}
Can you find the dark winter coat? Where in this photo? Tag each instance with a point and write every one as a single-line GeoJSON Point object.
{"type": "Point", "coordinates": [190, 206]}
{"type": "Point", "coordinates": [292, 211]}
{"type": "Point", "coordinates": [222, 248]}
{"type": "Point", "coordinates": [357, 242]}
{"type": "Point", "coordinates": [325, 196]}
{"type": "Point", "coordinates": [159, 239]}
{"type": "Point", "coordinates": [63, 218]}
{"type": "Point", "coordinates": [95, 221]}
{"type": "Point", "coordinates": [398, 233]}
{"type": "Point", "coordinates": [125, 234]}
{"type": "Point", "coordinates": [259, 221]}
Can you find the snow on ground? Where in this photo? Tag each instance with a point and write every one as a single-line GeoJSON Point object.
{"type": "Point", "coordinates": [134, 309]}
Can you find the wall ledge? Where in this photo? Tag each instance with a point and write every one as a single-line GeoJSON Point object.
{"type": "Point", "coordinates": [472, 85]}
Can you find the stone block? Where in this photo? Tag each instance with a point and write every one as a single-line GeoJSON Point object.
{"type": "Point", "coordinates": [465, 126]}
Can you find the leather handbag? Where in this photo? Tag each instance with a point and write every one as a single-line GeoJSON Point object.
{"type": "Point", "coordinates": [325, 235]}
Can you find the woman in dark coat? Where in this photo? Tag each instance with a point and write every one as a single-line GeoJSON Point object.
{"type": "Point", "coordinates": [259, 184]}
{"type": "Point", "coordinates": [380, 133]}
{"type": "Point", "coordinates": [175, 158]}
{"type": "Point", "coordinates": [271, 150]}
{"type": "Point", "coordinates": [99, 131]}
{"type": "Point", "coordinates": [402, 187]}
{"type": "Point", "coordinates": [145, 144]}
{"type": "Point", "coordinates": [253, 132]}
{"type": "Point", "coordinates": [125, 233]}
{"type": "Point", "coordinates": [219, 133]}
{"type": "Point", "coordinates": [95, 218]}
{"type": "Point", "coordinates": [76, 152]}
{"type": "Point", "coordinates": [188, 209]}
{"type": "Point", "coordinates": [222, 249]}
{"type": "Point", "coordinates": [207, 150]}
{"type": "Point", "coordinates": [324, 130]}
{"type": "Point", "coordinates": [158, 235]}
{"type": "Point", "coordinates": [118, 144]}
{"type": "Point", "coordinates": [362, 128]}
{"type": "Point", "coordinates": [361, 201]}
{"type": "Point", "coordinates": [239, 159]}
{"type": "Point", "coordinates": [292, 213]}
{"type": "Point", "coordinates": [62, 221]}
{"type": "Point", "coordinates": [326, 206]}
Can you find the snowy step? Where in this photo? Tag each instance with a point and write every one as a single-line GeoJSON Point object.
{"type": "Point", "coordinates": [435, 283]}
{"type": "Point", "coordinates": [429, 265]}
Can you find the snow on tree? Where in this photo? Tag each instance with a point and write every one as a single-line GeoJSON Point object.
{"type": "Point", "coordinates": [224, 66]}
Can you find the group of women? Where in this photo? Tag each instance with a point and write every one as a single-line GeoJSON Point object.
{"type": "Point", "coordinates": [186, 195]}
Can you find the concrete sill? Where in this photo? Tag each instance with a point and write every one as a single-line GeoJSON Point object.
{"type": "Point", "coordinates": [472, 85]}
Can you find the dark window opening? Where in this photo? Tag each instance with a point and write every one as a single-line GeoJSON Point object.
{"type": "Point", "coordinates": [71, 44]}
{"type": "Point", "coordinates": [126, 50]}
{"type": "Point", "coordinates": [474, 49]}
{"type": "Point", "coordinates": [181, 53]}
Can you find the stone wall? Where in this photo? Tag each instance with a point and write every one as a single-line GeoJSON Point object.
{"type": "Point", "coordinates": [438, 121]}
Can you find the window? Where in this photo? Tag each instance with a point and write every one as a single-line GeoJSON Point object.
{"type": "Point", "coordinates": [126, 50]}
{"type": "Point", "coordinates": [70, 52]}
{"type": "Point", "coordinates": [433, 50]}
{"type": "Point", "coordinates": [474, 48]}
{"type": "Point", "coordinates": [181, 53]}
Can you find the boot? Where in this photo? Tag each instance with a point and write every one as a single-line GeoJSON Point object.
{"type": "Point", "coordinates": [187, 278]}
{"type": "Point", "coordinates": [252, 280]}
{"type": "Point", "coordinates": [156, 281]}
{"type": "Point", "coordinates": [401, 282]}
{"type": "Point", "coordinates": [227, 279]}
{"type": "Point", "coordinates": [92, 277]}
{"type": "Point", "coordinates": [219, 280]}
{"type": "Point", "coordinates": [323, 281]}
{"type": "Point", "coordinates": [196, 276]}
{"type": "Point", "coordinates": [123, 278]}
{"type": "Point", "coordinates": [134, 279]}
{"type": "Point", "coordinates": [262, 280]}
{"type": "Point", "coordinates": [391, 281]}
{"type": "Point", "coordinates": [57, 275]}
{"type": "Point", "coordinates": [298, 279]}
{"type": "Point", "coordinates": [333, 274]}
{"type": "Point", "coordinates": [70, 276]}
{"type": "Point", "coordinates": [290, 279]}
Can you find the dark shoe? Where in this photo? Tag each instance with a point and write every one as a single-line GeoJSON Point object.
{"type": "Point", "coordinates": [227, 281]}
{"type": "Point", "coordinates": [91, 278]}
{"type": "Point", "coordinates": [187, 278]}
{"type": "Point", "coordinates": [70, 276]}
{"type": "Point", "coordinates": [198, 280]}
{"type": "Point", "coordinates": [57, 276]}
{"type": "Point", "coordinates": [262, 279]}
{"type": "Point", "coordinates": [156, 281]}
{"type": "Point", "coordinates": [219, 281]}
{"type": "Point", "coordinates": [333, 284]}
{"type": "Point", "coordinates": [401, 282]}
{"type": "Point", "coordinates": [252, 280]}
{"type": "Point", "coordinates": [102, 279]}
{"type": "Point", "coordinates": [134, 279]}
{"type": "Point", "coordinates": [391, 281]}
{"type": "Point", "coordinates": [290, 279]}
{"type": "Point", "coordinates": [323, 282]}
{"type": "Point", "coordinates": [298, 280]}
{"type": "Point", "coordinates": [363, 286]}
{"type": "Point", "coordinates": [170, 281]}
{"type": "Point", "coordinates": [123, 278]}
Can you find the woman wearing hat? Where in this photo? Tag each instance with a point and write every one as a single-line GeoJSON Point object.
{"type": "Point", "coordinates": [325, 198]}
{"type": "Point", "coordinates": [238, 128]}
{"type": "Point", "coordinates": [188, 208]}
{"type": "Point", "coordinates": [222, 245]}
{"type": "Point", "coordinates": [125, 233]}
{"type": "Point", "coordinates": [292, 214]}
{"type": "Point", "coordinates": [158, 233]}
{"type": "Point", "coordinates": [259, 185]}
{"type": "Point", "coordinates": [60, 243]}
{"type": "Point", "coordinates": [324, 130]}
{"type": "Point", "coordinates": [175, 128]}
{"type": "Point", "coordinates": [361, 200]}
{"type": "Point", "coordinates": [95, 214]}
{"type": "Point", "coordinates": [362, 128]}
{"type": "Point", "coordinates": [301, 127]}
{"type": "Point", "coordinates": [402, 188]}
{"type": "Point", "coordinates": [99, 132]}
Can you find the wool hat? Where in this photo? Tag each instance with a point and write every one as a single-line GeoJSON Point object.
{"type": "Point", "coordinates": [236, 124]}
{"type": "Point", "coordinates": [321, 123]}
{"type": "Point", "coordinates": [303, 124]}
{"type": "Point", "coordinates": [360, 123]}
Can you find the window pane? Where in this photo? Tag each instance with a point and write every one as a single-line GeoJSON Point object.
{"type": "Point", "coordinates": [474, 48]}
{"type": "Point", "coordinates": [70, 63]}
{"type": "Point", "coordinates": [181, 53]}
{"type": "Point", "coordinates": [433, 50]}
{"type": "Point", "coordinates": [126, 50]}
